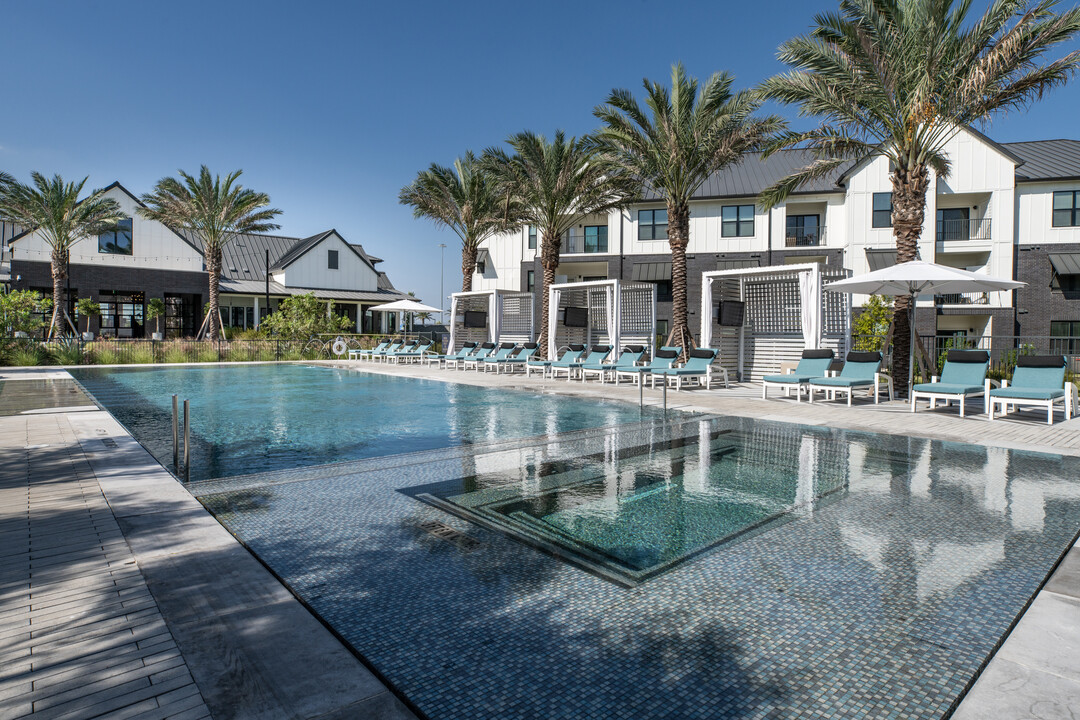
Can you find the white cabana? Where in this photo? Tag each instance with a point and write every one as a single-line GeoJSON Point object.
{"type": "Point", "coordinates": [601, 311]}
{"type": "Point", "coordinates": [785, 312]}
{"type": "Point", "coordinates": [507, 317]}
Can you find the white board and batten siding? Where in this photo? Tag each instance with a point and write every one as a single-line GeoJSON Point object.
{"type": "Point", "coordinates": [311, 270]}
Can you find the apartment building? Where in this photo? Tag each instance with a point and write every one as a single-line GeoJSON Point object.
{"type": "Point", "coordinates": [1005, 209]}
{"type": "Point", "coordinates": [144, 259]}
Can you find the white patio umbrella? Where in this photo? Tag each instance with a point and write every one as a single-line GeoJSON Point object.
{"type": "Point", "coordinates": [916, 278]}
{"type": "Point", "coordinates": [406, 306]}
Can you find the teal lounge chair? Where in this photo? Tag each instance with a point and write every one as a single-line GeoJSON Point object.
{"type": "Point", "coordinates": [813, 364]}
{"type": "Point", "coordinates": [595, 353]}
{"type": "Point", "coordinates": [861, 370]}
{"type": "Point", "coordinates": [1038, 380]}
{"type": "Point", "coordinates": [697, 367]}
{"type": "Point", "coordinates": [963, 376]}
{"type": "Point", "coordinates": [501, 353]}
{"type": "Point", "coordinates": [394, 346]}
{"type": "Point", "coordinates": [518, 359]}
{"type": "Point", "coordinates": [361, 353]}
{"type": "Point", "coordinates": [460, 354]}
{"type": "Point", "coordinates": [629, 357]}
{"type": "Point", "coordinates": [415, 355]}
{"type": "Point", "coordinates": [459, 362]}
{"type": "Point", "coordinates": [406, 348]}
{"type": "Point", "coordinates": [573, 352]}
{"type": "Point", "coordinates": [662, 359]}
{"type": "Point", "coordinates": [482, 352]}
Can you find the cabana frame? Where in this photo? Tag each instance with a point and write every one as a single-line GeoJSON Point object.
{"type": "Point", "coordinates": [619, 313]}
{"type": "Point", "coordinates": [774, 330]}
{"type": "Point", "coordinates": [509, 317]}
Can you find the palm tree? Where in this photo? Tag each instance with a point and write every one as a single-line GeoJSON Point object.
{"type": "Point", "coordinates": [899, 78]}
{"type": "Point", "coordinates": [53, 208]}
{"type": "Point", "coordinates": [463, 198]}
{"type": "Point", "coordinates": [556, 184]}
{"type": "Point", "coordinates": [215, 212]}
{"type": "Point", "coordinates": [673, 148]}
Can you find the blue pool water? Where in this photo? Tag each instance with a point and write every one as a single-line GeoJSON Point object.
{"type": "Point", "coordinates": [258, 418]}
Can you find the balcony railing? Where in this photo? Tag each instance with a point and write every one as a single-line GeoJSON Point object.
{"type": "Point", "coordinates": [809, 237]}
{"type": "Point", "coordinates": [974, 229]}
{"type": "Point", "coordinates": [583, 244]}
{"type": "Point", "coordinates": [972, 298]}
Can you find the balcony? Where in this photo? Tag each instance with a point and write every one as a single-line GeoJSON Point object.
{"type": "Point", "coordinates": [584, 244]}
{"type": "Point", "coordinates": [804, 237]}
{"type": "Point", "coordinates": [963, 229]}
{"type": "Point", "coordinates": [975, 298]}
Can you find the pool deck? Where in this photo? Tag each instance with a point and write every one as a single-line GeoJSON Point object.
{"type": "Point", "coordinates": [121, 596]}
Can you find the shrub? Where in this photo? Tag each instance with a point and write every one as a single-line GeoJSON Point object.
{"type": "Point", "coordinates": [67, 353]}
{"type": "Point", "coordinates": [207, 353]}
{"type": "Point", "coordinates": [176, 354]}
{"type": "Point", "coordinates": [870, 326]}
{"type": "Point", "coordinates": [104, 354]}
{"type": "Point", "coordinates": [142, 353]}
{"type": "Point", "coordinates": [25, 355]}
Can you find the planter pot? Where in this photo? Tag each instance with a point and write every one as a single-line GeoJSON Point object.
{"type": "Point", "coordinates": [88, 337]}
{"type": "Point", "coordinates": [20, 335]}
{"type": "Point", "coordinates": [157, 336]}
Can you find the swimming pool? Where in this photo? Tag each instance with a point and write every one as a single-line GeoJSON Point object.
{"type": "Point", "coordinates": [259, 418]}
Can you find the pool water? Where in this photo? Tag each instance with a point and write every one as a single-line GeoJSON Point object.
{"type": "Point", "coordinates": [259, 418]}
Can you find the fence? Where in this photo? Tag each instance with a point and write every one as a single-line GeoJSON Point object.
{"type": "Point", "coordinates": [1003, 349]}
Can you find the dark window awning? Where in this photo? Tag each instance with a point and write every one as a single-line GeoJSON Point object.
{"type": "Point", "coordinates": [652, 272]}
{"type": "Point", "coordinates": [880, 259]}
{"type": "Point", "coordinates": [1065, 263]}
{"type": "Point", "coordinates": [738, 263]}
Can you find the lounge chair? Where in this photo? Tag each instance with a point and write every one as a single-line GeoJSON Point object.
{"type": "Point", "coordinates": [861, 370]}
{"type": "Point", "coordinates": [406, 348]}
{"type": "Point", "coordinates": [459, 355]}
{"type": "Point", "coordinates": [963, 376]}
{"type": "Point", "coordinates": [629, 357]}
{"type": "Point", "coordinates": [459, 362]}
{"type": "Point", "coordinates": [361, 353]}
{"type": "Point", "coordinates": [394, 346]}
{"type": "Point", "coordinates": [662, 359]}
{"type": "Point", "coordinates": [572, 354]}
{"type": "Point", "coordinates": [518, 359]}
{"type": "Point", "coordinates": [419, 351]}
{"type": "Point", "coordinates": [698, 366]}
{"type": "Point", "coordinates": [594, 353]}
{"type": "Point", "coordinates": [482, 352]}
{"type": "Point", "coordinates": [1038, 380]}
{"type": "Point", "coordinates": [501, 353]}
{"type": "Point", "coordinates": [813, 364]}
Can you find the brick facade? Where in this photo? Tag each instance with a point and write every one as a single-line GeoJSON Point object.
{"type": "Point", "coordinates": [1038, 304]}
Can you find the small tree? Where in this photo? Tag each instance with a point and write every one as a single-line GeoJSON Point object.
{"type": "Point", "coordinates": [88, 309]}
{"type": "Point", "coordinates": [21, 311]}
{"type": "Point", "coordinates": [873, 322]}
{"type": "Point", "coordinates": [155, 310]}
{"type": "Point", "coordinates": [302, 317]}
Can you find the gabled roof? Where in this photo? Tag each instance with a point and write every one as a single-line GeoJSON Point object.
{"type": "Point", "coordinates": [1047, 159]}
{"type": "Point", "coordinates": [303, 246]}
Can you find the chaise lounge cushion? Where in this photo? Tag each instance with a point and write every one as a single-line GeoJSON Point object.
{"type": "Point", "coordinates": [947, 388]}
{"type": "Point", "coordinates": [842, 381]}
{"type": "Point", "coordinates": [1026, 393]}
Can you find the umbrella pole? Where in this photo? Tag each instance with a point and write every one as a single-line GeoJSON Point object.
{"type": "Point", "coordinates": [911, 350]}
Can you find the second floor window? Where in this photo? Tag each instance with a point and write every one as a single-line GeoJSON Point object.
{"type": "Point", "coordinates": [331, 259]}
{"type": "Point", "coordinates": [595, 238]}
{"type": "Point", "coordinates": [117, 241]}
{"type": "Point", "coordinates": [953, 224]}
{"type": "Point", "coordinates": [532, 237]}
{"type": "Point", "coordinates": [882, 213]}
{"type": "Point", "coordinates": [738, 221]}
{"type": "Point", "coordinates": [652, 224]}
{"type": "Point", "coordinates": [1066, 208]}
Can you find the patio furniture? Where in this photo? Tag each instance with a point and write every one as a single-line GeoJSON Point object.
{"type": "Point", "coordinates": [629, 357]}
{"type": "Point", "coordinates": [482, 352]}
{"type": "Point", "coordinates": [573, 352]}
{"type": "Point", "coordinates": [459, 355]}
{"type": "Point", "coordinates": [519, 359]}
{"type": "Point", "coordinates": [415, 355]}
{"type": "Point", "coordinates": [1038, 380]}
{"type": "Point", "coordinates": [813, 364]}
{"type": "Point", "coordinates": [963, 376]}
{"type": "Point", "coordinates": [698, 366]}
{"type": "Point", "coordinates": [392, 347]}
{"type": "Point", "coordinates": [599, 352]}
{"type": "Point", "coordinates": [861, 370]}
{"type": "Point", "coordinates": [662, 359]}
{"type": "Point", "coordinates": [361, 353]}
{"type": "Point", "coordinates": [501, 353]}
{"type": "Point", "coordinates": [391, 352]}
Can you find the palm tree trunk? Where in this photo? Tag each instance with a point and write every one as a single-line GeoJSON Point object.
{"type": "Point", "coordinates": [468, 267]}
{"type": "Point", "coordinates": [549, 260]}
{"type": "Point", "coordinates": [59, 272]}
{"type": "Point", "coordinates": [213, 269]}
{"type": "Point", "coordinates": [909, 212]}
{"type": "Point", "coordinates": [678, 239]}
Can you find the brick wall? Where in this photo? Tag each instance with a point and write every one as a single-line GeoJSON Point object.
{"type": "Point", "coordinates": [1041, 303]}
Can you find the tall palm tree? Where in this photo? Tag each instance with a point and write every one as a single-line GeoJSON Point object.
{"type": "Point", "coordinates": [556, 184]}
{"type": "Point", "coordinates": [463, 198]}
{"type": "Point", "coordinates": [215, 212]}
{"type": "Point", "coordinates": [899, 78]}
{"type": "Point", "coordinates": [685, 136]}
{"type": "Point", "coordinates": [53, 208]}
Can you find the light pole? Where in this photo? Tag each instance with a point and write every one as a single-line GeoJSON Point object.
{"type": "Point", "coordinates": [442, 276]}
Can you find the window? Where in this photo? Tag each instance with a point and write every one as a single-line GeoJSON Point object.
{"type": "Point", "coordinates": [738, 221]}
{"type": "Point", "coordinates": [661, 332]}
{"type": "Point", "coordinates": [652, 224]}
{"type": "Point", "coordinates": [532, 237]}
{"type": "Point", "coordinates": [332, 259]}
{"type": "Point", "coordinates": [1065, 337]}
{"type": "Point", "coordinates": [596, 238]}
{"type": "Point", "coordinates": [480, 267]}
{"type": "Point", "coordinates": [882, 215]}
{"type": "Point", "coordinates": [1066, 283]}
{"type": "Point", "coordinates": [121, 313]}
{"type": "Point", "coordinates": [663, 291]}
{"type": "Point", "coordinates": [803, 230]}
{"type": "Point", "coordinates": [952, 224]}
{"type": "Point", "coordinates": [530, 281]}
{"type": "Point", "coordinates": [1067, 208]}
{"type": "Point", "coordinates": [118, 240]}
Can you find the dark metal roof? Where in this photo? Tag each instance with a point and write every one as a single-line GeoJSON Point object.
{"type": "Point", "coordinates": [751, 175]}
{"type": "Point", "coordinates": [1046, 159]}
{"type": "Point", "coordinates": [652, 271]}
{"type": "Point", "coordinates": [738, 263]}
{"type": "Point", "coordinates": [1065, 263]}
{"type": "Point", "coordinates": [880, 258]}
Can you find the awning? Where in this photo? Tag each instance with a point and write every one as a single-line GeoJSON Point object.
{"type": "Point", "coordinates": [736, 263]}
{"type": "Point", "coordinates": [880, 259]}
{"type": "Point", "coordinates": [1065, 263]}
{"type": "Point", "coordinates": [652, 272]}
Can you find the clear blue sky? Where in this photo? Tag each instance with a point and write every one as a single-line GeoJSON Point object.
{"type": "Point", "coordinates": [332, 107]}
